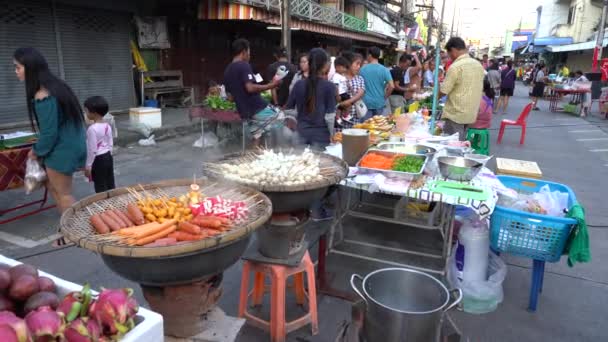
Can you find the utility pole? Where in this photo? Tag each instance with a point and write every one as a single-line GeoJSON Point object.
{"type": "Point", "coordinates": [285, 27]}
{"type": "Point", "coordinates": [429, 19]}
{"type": "Point", "coordinates": [599, 45]}
{"type": "Point", "coordinates": [436, 72]}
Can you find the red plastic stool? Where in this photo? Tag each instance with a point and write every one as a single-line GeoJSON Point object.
{"type": "Point", "coordinates": [277, 326]}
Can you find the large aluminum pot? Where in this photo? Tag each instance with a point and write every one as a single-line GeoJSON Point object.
{"type": "Point", "coordinates": [403, 305]}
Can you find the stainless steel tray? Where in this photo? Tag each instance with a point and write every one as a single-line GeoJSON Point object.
{"type": "Point", "coordinates": [391, 172]}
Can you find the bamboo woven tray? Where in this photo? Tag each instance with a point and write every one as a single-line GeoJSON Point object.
{"type": "Point", "coordinates": [76, 227]}
{"type": "Point", "coordinates": [333, 170]}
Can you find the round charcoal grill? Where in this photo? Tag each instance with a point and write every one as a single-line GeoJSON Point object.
{"type": "Point", "coordinates": [170, 265]}
{"type": "Point", "coordinates": [287, 198]}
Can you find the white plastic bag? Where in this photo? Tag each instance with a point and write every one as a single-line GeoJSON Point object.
{"type": "Point", "coordinates": [147, 142]}
{"type": "Point", "coordinates": [480, 296]}
{"type": "Point", "coordinates": [35, 176]}
{"type": "Point", "coordinates": [210, 140]}
{"type": "Point", "coordinates": [142, 129]}
{"type": "Point", "coordinates": [554, 202]}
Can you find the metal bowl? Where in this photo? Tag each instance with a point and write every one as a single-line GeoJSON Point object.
{"type": "Point", "coordinates": [178, 269]}
{"type": "Point", "coordinates": [458, 168]}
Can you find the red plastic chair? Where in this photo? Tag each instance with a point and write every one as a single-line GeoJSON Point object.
{"type": "Point", "coordinates": [521, 121]}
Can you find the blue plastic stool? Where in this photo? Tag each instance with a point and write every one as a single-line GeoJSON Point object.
{"type": "Point", "coordinates": [538, 276]}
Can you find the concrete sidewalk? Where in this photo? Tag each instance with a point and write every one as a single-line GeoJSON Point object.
{"type": "Point", "coordinates": [572, 307]}
{"type": "Point", "coordinates": [175, 122]}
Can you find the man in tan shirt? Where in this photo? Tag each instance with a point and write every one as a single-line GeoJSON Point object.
{"type": "Point", "coordinates": [463, 85]}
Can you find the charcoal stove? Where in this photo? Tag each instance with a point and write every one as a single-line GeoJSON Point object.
{"type": "Point", "coordinates": [181, 282]}
{"type": "Point", "coordinates": [279, 240]}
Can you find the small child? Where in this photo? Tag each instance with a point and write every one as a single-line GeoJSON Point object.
{"type": "Point", "coordinates": [100, 164]}
{"type": "Point", "coordinates": [342, 65]}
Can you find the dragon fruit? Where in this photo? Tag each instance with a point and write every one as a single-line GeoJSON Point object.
{"type": "Point", "coordinates": [16, 324]}
{"type": "Point", "coordinates": [69, 301]}
{"type": "Point", "coordinates": [76, 304]}
{"type": "Point", "coordinates": [114, 310]}
{"type": "Point", "coordinates": [7, 334]}
{"type": "Point", "coordinates": [45, 324]}
{"type": "Point", "coordinates": [83, 330]}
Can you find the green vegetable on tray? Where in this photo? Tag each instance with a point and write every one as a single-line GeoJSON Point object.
{"type": "Point", "coordinates": [408, 164]}
{"type": "Point", "coordinates": [218, 103]}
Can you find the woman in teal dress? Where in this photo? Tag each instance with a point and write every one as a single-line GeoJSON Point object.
{"type": "Point", "coordinates": [56, 113]}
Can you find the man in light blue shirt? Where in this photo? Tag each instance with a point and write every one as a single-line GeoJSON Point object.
{"type": "Point", "coordinates": [378, 84]}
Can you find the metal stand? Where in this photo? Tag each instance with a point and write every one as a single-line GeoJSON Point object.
{"type": "Point", "coordinates": [352, 207]}
{"type": "Point", "coordinates": [29, 213]}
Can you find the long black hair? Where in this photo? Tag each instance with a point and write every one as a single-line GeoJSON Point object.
{"type": "Point", "coordinates": [488, 90]}
{"type": "Point", "coordinates": [37, 76]}
{"type": "Point", "coordinates": [317, 60]}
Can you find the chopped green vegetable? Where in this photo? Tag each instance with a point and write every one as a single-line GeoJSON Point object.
{"type": "Point", "coordinates": [410, 164]}
{"type": "Point", "coordinates": [216, 102]}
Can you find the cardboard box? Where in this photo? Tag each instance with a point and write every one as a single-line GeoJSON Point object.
{"type": "Point", "coordinates": [149, 116]}
{"type": "Point", "coordinates": [149, 324]}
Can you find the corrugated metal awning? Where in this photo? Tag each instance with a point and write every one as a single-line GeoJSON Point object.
{"type": "Point", "coordinates": [575, 47]}
{"type": "Point", "coordinates": [219, 10]}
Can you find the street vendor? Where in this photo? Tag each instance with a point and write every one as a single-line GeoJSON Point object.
{"type": "Point", "coordinates": [463, 85]}
{"type": "Point", "coordinates": [243, 85]}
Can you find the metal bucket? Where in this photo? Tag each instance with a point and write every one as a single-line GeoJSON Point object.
{"type": "Point", "coordinates": [403, 305]}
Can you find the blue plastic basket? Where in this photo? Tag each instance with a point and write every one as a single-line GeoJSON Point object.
{"type": "Point", "coordinates": [540, 237]}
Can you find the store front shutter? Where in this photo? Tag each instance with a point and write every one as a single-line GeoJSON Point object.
{"type": "Point", "coordinates": [96, 54]}
{"type": "Point", "coordinates": [22, 24]}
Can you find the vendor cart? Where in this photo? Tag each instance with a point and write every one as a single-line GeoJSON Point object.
{"type": "Point", "coordinates": [399, 241]}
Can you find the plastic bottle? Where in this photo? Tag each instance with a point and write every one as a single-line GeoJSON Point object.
{"type": "Point", "coordinates": [472, 250]}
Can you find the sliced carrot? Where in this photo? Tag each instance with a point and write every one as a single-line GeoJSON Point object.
{"type": "Point", "coordinates": [159, 235]}
{"type": "Point", "coordinates": [133, 229]}
{"type": "Point", "coordinates": [151, 231]}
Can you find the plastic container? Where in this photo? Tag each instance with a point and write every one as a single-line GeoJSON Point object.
{"type": "Point", "coordinates": [472, 250]}
{"type": "Point", "coordinates": [146, 115]}
{"type": "Point", "coordinates": [148, 324]}
{"type": "Point", "coordinates": [539, 237]}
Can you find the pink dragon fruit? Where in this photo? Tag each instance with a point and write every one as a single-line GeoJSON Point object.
{"type": "Point", "coordinates": [17, 325]}
{"type": "Point", "coordinates": [114, 310]}
{"type": "Point", "coordinates": [45, 324]}
{"type": "Point", "coordinates": [83, 330]}
{"type": "Point", "coordinates": [66, 304]}
{"type": "Point", "coordinates": [7, 334]}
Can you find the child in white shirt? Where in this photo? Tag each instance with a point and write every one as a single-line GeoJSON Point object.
{"type": "Point", "coordinates": [100, 164]}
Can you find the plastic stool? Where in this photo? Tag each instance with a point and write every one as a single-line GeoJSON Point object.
{"type": "Point", "coordinates": [480, 140]}
{"type": "Point", "coordinates": [277, 326]}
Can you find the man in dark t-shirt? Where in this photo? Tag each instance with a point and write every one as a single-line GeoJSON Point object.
{"type": "Point", "coordinates": [280, 94]}
{"type": "Point", "coordinates": [243, 87]}
{"type": "Point", "coordinates": [397, 97]}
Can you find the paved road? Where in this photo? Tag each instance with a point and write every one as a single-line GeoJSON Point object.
{"type": "Point", "coordinates": [569, 150]}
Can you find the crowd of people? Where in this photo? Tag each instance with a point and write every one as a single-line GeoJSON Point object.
{"type": "Point", "coordinates": [318, 96]}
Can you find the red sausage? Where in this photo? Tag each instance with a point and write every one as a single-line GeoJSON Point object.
{"type": "Point", "coordinates": [124, 218]}
{"type": "Point", "coordinates": [99, 225]}
{"type": "Point", "coordinates": [109, 221]}
{"type": "Point", "coordinates": [115, 217]}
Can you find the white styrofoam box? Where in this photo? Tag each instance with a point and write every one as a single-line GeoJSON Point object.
{"type": "Point", "coordinates": [149, 324]}
{"type": "Point", "coordinates": [146, 115]}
